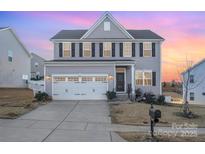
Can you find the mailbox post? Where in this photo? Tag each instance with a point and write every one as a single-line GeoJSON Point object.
{"type": "Point", "coordinates": [154, 118]}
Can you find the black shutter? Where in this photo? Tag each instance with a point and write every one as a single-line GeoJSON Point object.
{"type": "Point", "coordinates": [80, 50]}
{"type": "Point", "coordinates": [154, 78]}
{"type": "Point", "coordinates": [141, 49]}
{"type": "Point", "coordinates": [113, 49]}
{"type": "Point", "coordinates": [121, 49]}
{"type": "Point", "coordinates": [93, 49]}
{"type": "Point", "coordinates": [73, 49]}
{"type": "Point", "coordinates": [133, 49]}
{"type": "Point", "coordinates": [153, 50]}
{"type": "Point", "coordinates": [60, 49]}
{"type": "Point", "coordinates": [101, 49]}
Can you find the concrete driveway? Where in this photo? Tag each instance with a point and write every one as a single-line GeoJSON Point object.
{"type": "Point", "coordinates": [81, 121]}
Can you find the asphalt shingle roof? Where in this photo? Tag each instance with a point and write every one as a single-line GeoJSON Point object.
{"type": "Point", "coordinates": [77, 34]}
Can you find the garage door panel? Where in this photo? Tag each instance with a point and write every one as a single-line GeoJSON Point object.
{"type": "Point", "coordinates": [85, 87]}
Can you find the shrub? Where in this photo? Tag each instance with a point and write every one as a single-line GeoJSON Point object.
{"type": "Point", "coordinates": [111, 95]}
{"type": "Point", "coordinates": [41, 96]}
{"type": "Point", "coordinates": [150, 98]}
{"type": "Point", "coordinates": [161, 100]}
{"type": "Point", "coordinates": [138, 93]}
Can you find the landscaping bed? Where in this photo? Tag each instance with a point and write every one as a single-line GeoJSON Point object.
{"type": "Point", "coordinates": [15, 102]}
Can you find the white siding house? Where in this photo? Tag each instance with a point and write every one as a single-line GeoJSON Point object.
{"type": "Point", "coordinates": [196, 83]}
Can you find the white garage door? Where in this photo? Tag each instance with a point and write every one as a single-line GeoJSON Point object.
{"type": "Point", "coordinates": [79, 87]}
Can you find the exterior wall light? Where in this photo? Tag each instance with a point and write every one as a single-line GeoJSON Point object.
{"type": "Point", "coordinates": [110, 77]}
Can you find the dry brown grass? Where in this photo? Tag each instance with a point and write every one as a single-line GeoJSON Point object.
{"type": "Point", "coordinates": [15, 102]}
{"type": "Point", "coordinates": [137, 114]}
{"type": "Point", "coordinates": [175, 96]}
{"type": "Point", "coordinates": [145, 137]}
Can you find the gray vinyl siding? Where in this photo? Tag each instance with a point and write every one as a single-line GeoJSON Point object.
{"type": "Point", "coordinates": [49, 70]}
{"type": "Point", "coordinates": [114, 32]}
{"type": "Point", "coordinates": [40, 67]}
{"type": "Point", "coordinates": [11, 72]}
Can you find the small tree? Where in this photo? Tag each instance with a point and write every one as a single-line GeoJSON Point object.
{"type": "Point", "coordinates": [186, 77]}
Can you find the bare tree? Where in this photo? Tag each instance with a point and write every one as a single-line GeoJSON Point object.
{"type": "Point", "coordinates": [185, 76]}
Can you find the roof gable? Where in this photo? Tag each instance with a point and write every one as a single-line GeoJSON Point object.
{"type": "Point", "coordinates": [116, 29]}
{"type": "Point", "coordinates": [17, 39]}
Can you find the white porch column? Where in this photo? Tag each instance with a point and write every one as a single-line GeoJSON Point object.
{"type": "Point", "coordinates": [133, 79]}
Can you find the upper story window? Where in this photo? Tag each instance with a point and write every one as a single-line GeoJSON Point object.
{"type": "Point", "coordinates": [67, 49]}
{"type": "Point", "coordinates": [127, 49]}
{"type": "Point", "coordinates": [87, 49]}
{"type": "Point", "coordinates": [143, 78]}
{"type": "Point", "coordinates": [10, 56]}
{"type": "Point", "coordinates": [147, 49]}
{"type": "Point", "coordinates": [191, 96]}
{"type": "Point", "coordinates": [191, 78]}
{"type": "Point", "coordinates": [106, 26]}
{"type": "Point", "coordinates": [107, 48]}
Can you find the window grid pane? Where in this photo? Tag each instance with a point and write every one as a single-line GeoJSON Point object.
{"type": "Point", "coordinates": [107, 49]}
{"type": "Point", "coordinates": [147, 49]}
{"type": "Point", "coordinates": [87, 49]}
{"type": "Point", "coordinates": [147, 78]}
{"type": "Point", "coordinates": [67, 49]}
{"type": "Point", "coordinates": [139, 78]}
{"type": "Point", "coordinates": [127, 49]}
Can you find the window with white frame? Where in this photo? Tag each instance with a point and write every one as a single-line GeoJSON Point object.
{"type": "Point", "coordinates": [147, 78]}
{"type": "Point", "coordinates": [10, 56]}
{"type": "Point", "coordinates": [191, 95]}
{"type": "Point", "coordinates": [106, 26]}
{"type": "Point", "coordinates": [67, 49]}
{"type": "Point", "coordinates": [86, 49]}
{"type": "Point", "coordinates": [107, 47]}
{"type": "Point", "coordinates": [143, 78]}
{"type": "Point", "coordinates": [147, 49]}
{"type": "Point", "coordinates": [127, 49]}
{"type": "Point", "coordinates": [139, 78]}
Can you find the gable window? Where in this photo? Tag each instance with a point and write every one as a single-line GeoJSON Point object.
{"type": "Point", "coordinates": [191, 95]}
{"type": "Point", "coordinates": [143, 78]}
{"type": "Point", "coordinates": [147, 49]}
{"type": "Point", "coordinates": [107, 48]}
{"type": "Point", "coordinates": [86, 49]}
{"type": "Point", "coordinates": [127, 49]}
{"type": "Point", "coordinates": [67, 49]}
{"type": "Point", "coordinates": [10, 56]}
{"type": "Point", "coordinates": [191, 78]}
{"type": "Point", "coordinates": [106, 26]}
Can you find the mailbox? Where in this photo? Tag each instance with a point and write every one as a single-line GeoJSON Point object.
{"type": "Point", "coordinates": [157, 114]}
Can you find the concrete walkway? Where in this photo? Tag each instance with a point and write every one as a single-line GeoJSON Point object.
{"type": "Point", "coordinates": [70, 121]}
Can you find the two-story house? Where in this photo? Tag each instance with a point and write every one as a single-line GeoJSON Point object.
{"type": "Point", "coordinates": [106, 57]}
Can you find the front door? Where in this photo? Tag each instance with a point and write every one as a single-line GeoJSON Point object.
{"type": "Point", "coordinates": [120, 82]}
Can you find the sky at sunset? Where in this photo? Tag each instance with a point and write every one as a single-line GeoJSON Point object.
{"type": "Point", "coordinates": [184, 32]}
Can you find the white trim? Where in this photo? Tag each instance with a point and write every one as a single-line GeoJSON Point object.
{"type": "Point", "coordinates": [125, 82]}
{"type": "Point", "coordinates": [80, 75]}
{"type": "Point", "coordinates": [150, 49]}
{"type": "Point", "coordinates": [100, 20]}
{"type": "Point", "coordinates": [70, 49]}
{"type": "Point", "coordinates": [143, 71]}
{"type": "Point", "coordinates": [133, 79]}
{"type": "Point", "coordinates": [44, 72]}
{"type": "Point", "coordinates": [90, 50]}
{"type": "Point", "coordinates": [98, 40]}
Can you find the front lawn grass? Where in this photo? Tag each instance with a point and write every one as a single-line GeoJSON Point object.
{"type": "Point", "coordinates": [15, 102]}
{"type": "Point", "coordinates": [138, 114]}
{"type": "Point", "coordinates": [145, 137]}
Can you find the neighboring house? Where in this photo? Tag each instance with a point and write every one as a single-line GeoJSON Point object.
{"type": "Point", "coordinates": [106, 57]}
{"type": "Point", "coordinates": [37, 66]}
{"type": "Point", "coordinates": [14, 60]}
{"type": "Point", "coordinates": [194, 79]}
